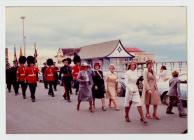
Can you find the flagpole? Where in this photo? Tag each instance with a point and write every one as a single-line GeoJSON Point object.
{"type": "Point", "coordinates": [24, 43]}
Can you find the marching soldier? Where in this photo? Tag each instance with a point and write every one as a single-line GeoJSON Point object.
{"type": "Point", "coordinates": [49, 76]}
{"type": "Point", "coordinates": [43, 70]}
{"type": "Point", "coordinates": [13, 77]}
{"type": "Point", "coordinates": [67, 78]}
{"type": "Point", "coordinates": [31, 76]}
{"type": "Point", "coordinates": [21, 77]}
{"type": "Point", "coordinates": [8, 77]}
{"type": "Point", "coordinates": [55, 76]}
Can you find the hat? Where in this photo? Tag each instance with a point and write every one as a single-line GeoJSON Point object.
{"type": "Point", "coordinates": [64, 60]}
{"type": "Point", "coordinates": [149, 61]}
{"type": "Point", "coordinates": [30, 60]}
{"type": "Point", "coordinates": [84, 64]}
{"type": "Point", "coordinates": [69, 60]}
{"type": "Point", "coordinates": [22, 60]}
{"type": "Point", "coordinates": [76, 58]}
{"type": "Point", "coordinates": [49, 62]}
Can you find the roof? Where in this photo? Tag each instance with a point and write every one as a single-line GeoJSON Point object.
{"type": "Point", "coordinates": [70, 51]}
{"type": "Point", "coordinates": [133, 49]}
{"type": "Point", "coordinates": [99, 50]}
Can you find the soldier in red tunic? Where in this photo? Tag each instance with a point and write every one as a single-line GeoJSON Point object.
{"type": "Point", "coordinates": [56, 77]}
{"type": "Point", "coordinates": [21, 76]}
{"type": "Point", "coordinates": [49, 76]}
{"type": "Point", "coordinates": [75, 71]}
{"type": "Point", "coordinates": [31, 76]}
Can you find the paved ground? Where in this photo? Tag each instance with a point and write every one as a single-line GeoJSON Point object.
{"type": "Point", "coordinates": [53, 115]}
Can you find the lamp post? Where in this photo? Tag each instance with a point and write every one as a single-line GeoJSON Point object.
{"type": "Point", "coordinates": [24, 43]}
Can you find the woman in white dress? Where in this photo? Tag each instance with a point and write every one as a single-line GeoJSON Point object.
{"type": "Point", "coordinates": [132, 93]}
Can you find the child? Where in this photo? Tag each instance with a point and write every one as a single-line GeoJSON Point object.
{"type": "Point", "coordinates": [174, 95]}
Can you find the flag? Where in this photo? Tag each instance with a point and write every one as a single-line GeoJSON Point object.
{"type": "Point", "coordinates": [15, 56]}
{"type": "Point", "coordinates": [21, 52]}
{"type": "Point", "coordinates": [35, 53]}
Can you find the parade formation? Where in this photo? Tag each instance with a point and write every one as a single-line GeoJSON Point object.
{"type": "Point", "coordinates": [89, 84]}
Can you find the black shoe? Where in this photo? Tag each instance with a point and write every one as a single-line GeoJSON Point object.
{"type": "Point", "coordinates": [183, 115]}
{"type": "Point", "coordinates": [24, 97]}
{"type": "Point", "coordinates": [16, 94]}
{"type": "Point", "coordinates": [33, 100]}
{"type": "Point", "coordinates": [53, 95]}
{"type": "Point", "coordinates": [169, 112]}
{"type": "Point", "coordinates": [69, 101]}
{"type": "Point", "coordinates": [64, 97]}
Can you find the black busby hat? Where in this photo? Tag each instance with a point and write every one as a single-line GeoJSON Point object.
{"type": "Point", "coordinates": [76, 58]}
{"type": "Point", "coordinates": [22, 60]}
{"type": "Point", "coordinates": [69, 60]}
{"type": "Point", "coordinates": [49, 62]}
{"type": "Point", "coordinates": [64, 60]}
{"type": "Point", "coordinates": [30, 60]}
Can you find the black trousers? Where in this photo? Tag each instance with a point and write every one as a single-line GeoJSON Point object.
{"type": "Point", "coordinates": [55, 85]}
{"type": "Point", "coordinates": [23, 87]}
{"type": "Point", "coordinates": [9, 86]}
{"type": "Point", "coordinates": [15, 87]}
{"type": "Point", "coordinates": [45, 83]}
{"type": "Point", "coordinates": [67, 85]}
{"type": "Point", "coordinates": [50, 91]}
{"type": "Point", "coordinates": [32, 88]}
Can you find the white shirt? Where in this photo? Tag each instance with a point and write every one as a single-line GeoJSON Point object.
{"type": "Point", "coordinates": [130, 80]}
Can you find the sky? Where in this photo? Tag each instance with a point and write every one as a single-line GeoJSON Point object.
{"type": "Point", "coordinates": [158, 30]}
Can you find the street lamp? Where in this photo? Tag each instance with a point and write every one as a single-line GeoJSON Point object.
{"type": "Point", "coordinates": [24, 43]}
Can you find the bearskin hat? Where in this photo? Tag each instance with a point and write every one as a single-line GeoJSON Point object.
{"type": "Point", "coordinates": [76, 58]}
{"type": "Point", "coordinates": [49, 62]}
{"type": "Point", "coordinates": [69, 60]}
{"type": "Point", "coordinates": [64, 60]}
{"type": "Point", "coordinates": [30, 60]}
{"type": "Point", "coordinates": [22, 60]}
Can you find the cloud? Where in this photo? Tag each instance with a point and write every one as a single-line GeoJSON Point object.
{"type": "Point", "coordinates": [59, 27]}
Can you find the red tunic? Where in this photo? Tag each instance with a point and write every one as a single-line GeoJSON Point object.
{"type": "Point", "coordinates": [21, 76]}
{"type": "Point", "coordinates": [49, 74]}
{"type": "Point", "coordinates": [75, 71]}
{"type": "Point", "coordinates": [31, 74]}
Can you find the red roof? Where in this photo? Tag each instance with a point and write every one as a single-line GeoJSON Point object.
{"type": "Point", "coordinates": [133, 49]}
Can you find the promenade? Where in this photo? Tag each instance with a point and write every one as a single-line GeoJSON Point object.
{"type": "Point", "coordinates": [54, 115]}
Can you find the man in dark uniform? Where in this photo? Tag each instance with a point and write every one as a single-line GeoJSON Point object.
{"type": "Point", "coordinates": [55, 76]}
{"type": "Point", "coordinates": [43, 70]}
{"type": "Point", "coordinates": [8, 77]}
{"type": "Point", "coordinates": [67, 78]}
{"type": "Point", "coordinates": [21, 75]}
{"type": "Point", "coordinates": [14, 78]}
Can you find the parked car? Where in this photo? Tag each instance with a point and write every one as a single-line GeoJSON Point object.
{"type": "Point", "coordinates": [163, 87]}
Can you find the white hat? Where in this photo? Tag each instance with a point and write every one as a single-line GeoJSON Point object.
{"type": "Point", "coordinates": [84, 64]}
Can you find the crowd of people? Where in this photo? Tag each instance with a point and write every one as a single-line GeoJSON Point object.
{"type": "Point", "coordinates": [90, 84]}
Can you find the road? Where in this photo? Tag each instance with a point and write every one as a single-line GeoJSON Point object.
{"type": "Point", "coordinates": [53, 115]}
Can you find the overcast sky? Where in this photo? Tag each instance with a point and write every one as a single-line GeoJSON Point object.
{"type": "Point", "coordinates": [159, 30]}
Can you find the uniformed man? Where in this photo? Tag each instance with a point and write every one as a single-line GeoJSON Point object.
{"type": "Point", "coordinates": [43, 70]}
{"type": "Point", "coordinates": [14, 78]}
{"type": "Point", "coordinates": [21, 76]}
{"type": "Point", "coordinates": [56, 77]}
{"type": "Point", "coordinates": [31, 76]}
{"type": "Point", "coordinates": [66, 79]}
{"type": "Point", "coordinates": [49, 76]}
{"type": "Point", "coordinates": [8, 77]}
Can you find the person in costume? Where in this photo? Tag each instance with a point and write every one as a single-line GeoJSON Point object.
{"type": "Point", "coordinates": [31, 76]}
{"type": "Point", "coordinates": [66, 79]}
{"type": "Point", "coordinates": [49, 76]}
{"type": "Point", "coordinates": [43, 70]}
{"type": "Point", "coordinates": [13, 76]}
{"type": "Point", "coordinates": [21, 76]}
{"type": "Point", "coordinates": [56, 76]}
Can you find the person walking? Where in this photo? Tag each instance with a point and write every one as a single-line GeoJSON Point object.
{"type": "Point", "coordinates": [67, 78]}
{"type": "Point", "coordinates": [31, 76]}
{"type": "Point", "coordinates": [43, 70]}
{"type": "Point", "coordinates": [111, 86]}
{"type": "Point", "coordinates": [8, 77]}
{"type": "Point", "coordinates": [98, 89]}
{"type": "Point", "coordinates": [13, 76]}
{"type": "Point", "coordinates": [150, 90]}
{"type": "Point", "coordinates": [85, 86]}
{"type": "Point", "coordinates": [56, 77]}
{"type": "Point", "coordinates": [132, 95]}
{"type": "Point", "coordinates": [21, 76]}
{"type": "Point", "coordinates": [174, 94]}
{"type": "Point", "coordinates": [49, 76]}
{"type": "Point", "coordinates": [163, 74]}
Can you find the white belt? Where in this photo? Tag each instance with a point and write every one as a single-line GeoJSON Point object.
{"type": "Point", "coordinates": [49, 74]}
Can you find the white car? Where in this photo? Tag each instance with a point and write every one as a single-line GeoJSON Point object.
{"type": "Point", "coordinates": [163, 87]}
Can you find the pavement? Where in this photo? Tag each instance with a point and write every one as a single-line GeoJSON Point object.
{"type": "Point", "coordinates": [54, 115]}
